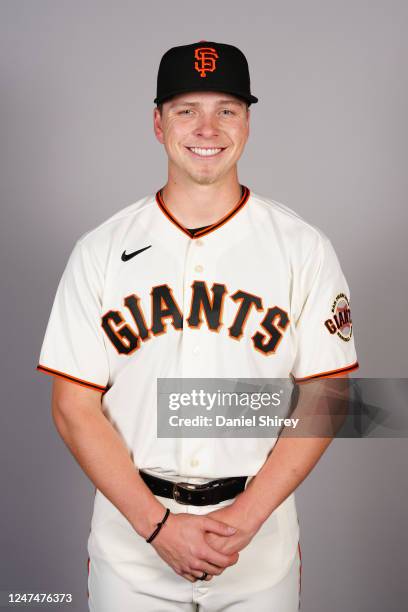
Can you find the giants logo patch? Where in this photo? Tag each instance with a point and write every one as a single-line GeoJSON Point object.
{"type": "Point", "coordinates": [205, 57]}
{"type": "Point", "coordinates": [340, 323]}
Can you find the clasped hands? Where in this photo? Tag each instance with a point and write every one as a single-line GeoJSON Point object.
{"type": "Point", "coordinates": [192, 544]}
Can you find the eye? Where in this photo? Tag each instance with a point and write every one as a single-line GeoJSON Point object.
{"type": "Point", "coordinates": [185, 111]}
{"type": "Point", "coordinates": [227, 111]}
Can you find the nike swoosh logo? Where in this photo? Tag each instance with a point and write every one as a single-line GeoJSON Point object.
{"type": "Point", "coordinates": [127, 256]}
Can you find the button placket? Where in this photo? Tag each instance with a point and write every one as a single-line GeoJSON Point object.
{"type": "Point", "coordinates": [191, 352]}
{"type": "Point", "coordinates": [191, 349]}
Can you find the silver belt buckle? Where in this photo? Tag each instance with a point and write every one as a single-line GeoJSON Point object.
{"type": "Point", "coordinates": [176, 492]}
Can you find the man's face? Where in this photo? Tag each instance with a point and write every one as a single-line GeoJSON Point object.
{"type": "Point", "coordinates": [204, 134]}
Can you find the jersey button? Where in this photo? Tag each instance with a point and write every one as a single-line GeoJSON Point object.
{"type": "Point", "coordinates": [199, 268]}
{"type": "Point", "coordinates": [196, 350]}
{"type": "Point", "coordinates": [199, 242]}
{"type": "Point", "coordinates": [194, 462]}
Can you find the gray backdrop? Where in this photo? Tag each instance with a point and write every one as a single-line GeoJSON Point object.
{"type": "Point", "coordinates": [328, 139]}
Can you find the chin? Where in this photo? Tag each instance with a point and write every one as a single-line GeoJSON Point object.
{"type": "Point", "coordinates": [205, 180]}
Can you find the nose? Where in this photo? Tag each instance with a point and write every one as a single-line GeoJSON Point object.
{"type": "Point", "coordinates": [207, 126]}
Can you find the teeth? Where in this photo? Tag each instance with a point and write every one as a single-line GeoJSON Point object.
{"type": "Point", "coordinates": [204, 152]}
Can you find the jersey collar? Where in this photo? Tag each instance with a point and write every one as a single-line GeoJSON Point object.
{"type": "Point", "coordinates": [241, 203]}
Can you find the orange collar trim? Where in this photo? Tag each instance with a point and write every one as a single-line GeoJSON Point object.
{"type": "Point", "coordinates": [243, 200]}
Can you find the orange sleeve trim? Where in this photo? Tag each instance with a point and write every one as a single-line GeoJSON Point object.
{"type": "Point", "coordinates": [330, 373]}
{"type": "Point", "coordinates": [78, 381]}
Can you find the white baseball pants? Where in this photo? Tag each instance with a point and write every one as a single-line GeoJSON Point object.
{"type": "Point", "coordinates": [125, 573]}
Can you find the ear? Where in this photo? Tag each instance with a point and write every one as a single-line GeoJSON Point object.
{"type": "Point", "coordinates": [157, 125]}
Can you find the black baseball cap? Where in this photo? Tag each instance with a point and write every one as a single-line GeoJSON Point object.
{"type": "Point", "coordinates": [204, 66]}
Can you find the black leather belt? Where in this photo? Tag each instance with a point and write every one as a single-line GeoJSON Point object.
{"type": "Point", "coordinates": [207, 494]}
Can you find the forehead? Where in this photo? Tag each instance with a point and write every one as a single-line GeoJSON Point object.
{"type": "Point", "coordinates": [203, 98]}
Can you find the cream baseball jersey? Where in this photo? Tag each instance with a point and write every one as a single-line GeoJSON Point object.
{"type": "Point", "coordinates": [259, 294]}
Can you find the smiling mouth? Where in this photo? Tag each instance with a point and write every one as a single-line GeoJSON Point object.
{"type": "Point", "coordinates": [206, 152]}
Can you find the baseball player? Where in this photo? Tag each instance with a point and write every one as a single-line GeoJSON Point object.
{"type": "Point", "coordinates": [202, 279]}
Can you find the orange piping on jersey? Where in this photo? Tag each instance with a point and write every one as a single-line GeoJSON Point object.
{"type": "Point", "coordinates": [165, 210]}
{"type": "Point", "coordinates": [243, 200]}
{"type": "Point", "coordinates": [232, 213]}
{"type": "Point", "coordinates": [78, 381]}
{"type": "Point", "coordinates": [330, 373]}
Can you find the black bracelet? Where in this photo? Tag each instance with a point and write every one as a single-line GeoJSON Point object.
{"type": "Point", "coordinates": [159, 526]}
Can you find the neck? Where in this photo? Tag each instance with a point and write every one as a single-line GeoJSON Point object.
{"type": "Point", "coordinates": [195, 205]}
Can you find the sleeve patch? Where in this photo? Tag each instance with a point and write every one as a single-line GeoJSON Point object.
{"type": "Point", "coordinates": [340, 322]}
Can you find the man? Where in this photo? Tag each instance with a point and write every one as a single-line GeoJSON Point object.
{"type": "Point", "coordinates": [206, 280]}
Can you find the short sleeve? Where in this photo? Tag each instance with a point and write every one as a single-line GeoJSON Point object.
{"type": "Point", "coordinates": [324, 335]}
{"type": "Point", "coordinates": [73, 346]}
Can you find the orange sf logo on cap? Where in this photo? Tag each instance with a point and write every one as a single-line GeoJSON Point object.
{"type": "Point", "coordinates": [206, 57]}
